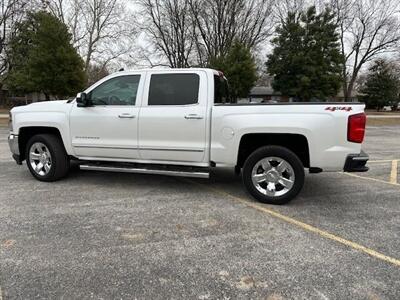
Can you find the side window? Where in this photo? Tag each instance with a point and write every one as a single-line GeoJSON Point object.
{"type": "Point", "coordinates": [174, 89]}
{"type": "Point", "coordinates": [120, 90]}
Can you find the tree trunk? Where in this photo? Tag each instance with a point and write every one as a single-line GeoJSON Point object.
{"type": "Point", "coordinates": [349, 90]}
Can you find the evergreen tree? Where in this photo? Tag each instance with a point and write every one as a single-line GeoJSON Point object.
{"type": "Point", "coordinates": [42, 58]}
{"type": "Point", "coordinates": [306, 61]}
{"type": "Point", "coordinates": [382, 86]}
{"type": "Point", "coordinates": [239, 67]}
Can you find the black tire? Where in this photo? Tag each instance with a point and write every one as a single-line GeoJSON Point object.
{"type": "Point", "coordinates": [59, 159]}
{"type": "Point", "coordinates": [279, 152]}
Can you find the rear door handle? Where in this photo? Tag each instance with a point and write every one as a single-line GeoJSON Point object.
{"type": "Point", "coordinates": [126, 116]}
{"type": "Point", "coordinates": [193, 117]}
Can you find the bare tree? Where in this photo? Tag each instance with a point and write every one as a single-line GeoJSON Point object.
{"type": "Point", "coordinates": [96, 72]}
{"type": "Point", "coordinates": [220, 22]}
{"type": "Point", "coordinates": [283, 7]}
{"type": "Point", "coordinates": [70, 12]}
{"type": "Point", "coordinates": [11, 12]}
{"type": "Point", "coordinates": [190, 32]}
{"type": "Point", "coordinates": [102, 30]}
{"type": "Point", "coordinates": [169, 29]}
{"type": "Point", "coordinates": [368, 28]}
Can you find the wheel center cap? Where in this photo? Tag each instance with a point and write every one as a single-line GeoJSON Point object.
{"type": "Point", "coordinates": [43, 158]}
{"type": "Point", "coordinates": [272, 176]}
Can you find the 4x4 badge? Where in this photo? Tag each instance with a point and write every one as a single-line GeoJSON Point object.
{"type": "Point", "coordinates": [335, 108]}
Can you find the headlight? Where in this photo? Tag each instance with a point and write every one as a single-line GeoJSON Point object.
{"type": "Point", "coordinates": [10, 121]}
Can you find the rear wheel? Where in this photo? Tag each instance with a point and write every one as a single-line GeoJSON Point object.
{"type": "Point", "coordinates": [273, 174]}
{"type": "Point", "coordinates": [46, 157]}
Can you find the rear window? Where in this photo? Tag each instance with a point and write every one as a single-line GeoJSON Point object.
{"type": "Point", "coordinates": [174, 89]}
{"type": "Point", "coordinates": [221, 90]}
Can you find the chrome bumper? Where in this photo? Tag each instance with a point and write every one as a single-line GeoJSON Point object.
{"type": "Point", "coordinates": [14, 147]}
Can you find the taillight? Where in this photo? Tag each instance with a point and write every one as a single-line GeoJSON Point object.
{"type": "Point", "coordinates": [356, 128]}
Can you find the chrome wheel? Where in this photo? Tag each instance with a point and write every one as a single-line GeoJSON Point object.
{"type": "Point", "coordinates": [40, 159]}
{"type": "Point", "coordinates": [273, 176]}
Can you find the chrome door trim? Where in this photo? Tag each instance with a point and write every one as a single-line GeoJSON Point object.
{"type": "Point", "coordinates": [138, 148]}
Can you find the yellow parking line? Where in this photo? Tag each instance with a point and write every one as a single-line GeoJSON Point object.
{"type": "Point", "coordinates": [303, 225]}
{"type": "Point", "coordinates": [370, 178]}
{"type": "Point", "coordinates": [393, 173]}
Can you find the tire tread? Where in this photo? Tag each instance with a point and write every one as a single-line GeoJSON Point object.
{"type": "Point", "coordinates": [277, 151]}
{"type": "Point", "coordinates": [60, 160]}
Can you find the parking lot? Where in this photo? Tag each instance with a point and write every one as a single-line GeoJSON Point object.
{"type": "Point", "coordinates": [126, 236]}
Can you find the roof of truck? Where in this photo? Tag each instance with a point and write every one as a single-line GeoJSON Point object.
{"type": "Point", "coordinates": [216, 72]}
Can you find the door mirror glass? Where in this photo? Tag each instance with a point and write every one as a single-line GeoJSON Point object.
{"type": "Point", "coordinates": [82, 100]}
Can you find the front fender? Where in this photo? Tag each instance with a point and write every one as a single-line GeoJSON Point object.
{"type": "Point", "coordinates": [57, 120]}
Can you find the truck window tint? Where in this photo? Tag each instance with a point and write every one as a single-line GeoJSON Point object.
{"type": "Point", "coordinates": [120, 90]}
{"type": "Point", "coordinates": [174, 89]}
{"type": "Point", "coordinates": [221, 90]}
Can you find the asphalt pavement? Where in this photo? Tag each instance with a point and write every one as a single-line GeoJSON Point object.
{"type": "Point", "coordinates": [100, 235]}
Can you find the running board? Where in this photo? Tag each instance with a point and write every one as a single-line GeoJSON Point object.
{"type": "Point", "coordinates": [165, 170]}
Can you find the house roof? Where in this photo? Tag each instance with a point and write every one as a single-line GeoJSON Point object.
{"type": "Point", "coordinates": [269, 91]}
{"type": "Point", "coordinates": [263, 91]}
{"type": "Point", "coordinates": [354, 94]}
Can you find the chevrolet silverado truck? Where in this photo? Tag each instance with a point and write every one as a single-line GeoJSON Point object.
{"type": "Point", "coordinates": [182, 122]}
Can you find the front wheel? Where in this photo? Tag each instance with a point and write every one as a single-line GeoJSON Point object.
{"type": "Point", "coordinates": [46, 157]}
{"type": "Point", "coordinates": [273, 174]}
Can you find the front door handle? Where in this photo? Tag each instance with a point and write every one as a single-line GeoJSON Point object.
{"type": "Point", "coordinates": [126, 116]}
{"type": "Point", "coordinates": [193, 117]}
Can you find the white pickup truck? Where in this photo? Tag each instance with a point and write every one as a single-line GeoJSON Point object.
{"type": "Point", "coordinates": [181, 122]}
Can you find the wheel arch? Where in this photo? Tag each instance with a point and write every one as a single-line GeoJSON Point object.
{"type": "Point", "coordinates": [250, 142]}
{"type": "Point", "coordinates": [25, 133]}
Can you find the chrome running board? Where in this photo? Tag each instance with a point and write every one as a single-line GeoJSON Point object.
{"type": "Point", "coordinates": [178, 171]}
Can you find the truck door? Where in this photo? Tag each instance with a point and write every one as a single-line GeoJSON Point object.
{"type": "Point", "coordinates": [108, 128]}
{"type": "Point", "coordinates": [172, 120]}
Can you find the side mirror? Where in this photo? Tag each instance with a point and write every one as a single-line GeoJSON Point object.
{"type": "Point", "coordinates": [82, 100]}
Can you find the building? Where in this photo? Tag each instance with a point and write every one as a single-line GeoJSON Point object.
{"type": "Point", "coordinates": [266, 94]}
{"type": "Point", "coordinates": [9, 99]}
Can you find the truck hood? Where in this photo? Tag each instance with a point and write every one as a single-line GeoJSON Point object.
{"type": "Point", "coordinates": [45, 106]}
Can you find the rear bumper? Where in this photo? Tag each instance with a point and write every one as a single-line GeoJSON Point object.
{"type": "Point", "coordinates": [356, 162]}
{"type": "Point", "coordinates": [14, 147]}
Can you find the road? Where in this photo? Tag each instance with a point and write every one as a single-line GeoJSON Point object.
{"type": "Point", "coordinates": [105, 235]}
